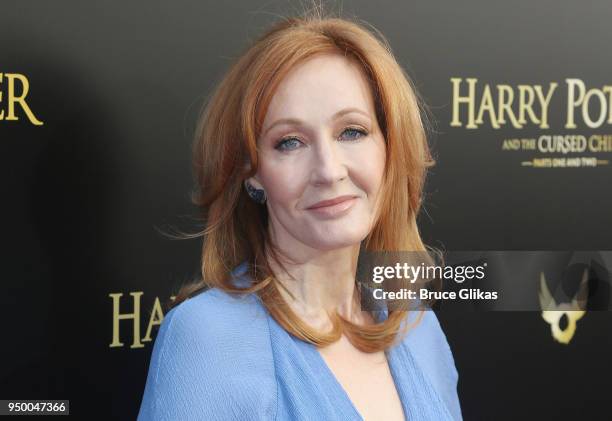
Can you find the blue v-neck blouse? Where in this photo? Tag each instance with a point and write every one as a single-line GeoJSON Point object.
{"type": "Point", "coordinates": [224, 357]}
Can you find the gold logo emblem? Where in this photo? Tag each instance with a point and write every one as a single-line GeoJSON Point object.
{"type": "Point", "coordinates": [553, 313]}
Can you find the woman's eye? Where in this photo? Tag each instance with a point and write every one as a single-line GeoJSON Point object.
{"type": "Point", "coordinates": [353, 133]}
{"type": "Point", "coordinates": [292, 143]}
{"type": "Point", "coordinates": [288, 144]}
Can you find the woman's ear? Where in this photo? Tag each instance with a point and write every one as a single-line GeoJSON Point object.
{"type": "Point", "coordinates": [254, 181]}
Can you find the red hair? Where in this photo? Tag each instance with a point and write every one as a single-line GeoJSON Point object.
{"type": "Point", "coordinates": [225, 154]}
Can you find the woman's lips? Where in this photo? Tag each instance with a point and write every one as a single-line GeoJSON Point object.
{"type": "Point", "coordinates": [333, 201]}
{"type": "Point", "coordinates": [334, 207]}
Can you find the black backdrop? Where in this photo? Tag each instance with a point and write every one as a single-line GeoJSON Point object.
{"type": "Point", "coordinates": [118, 87]}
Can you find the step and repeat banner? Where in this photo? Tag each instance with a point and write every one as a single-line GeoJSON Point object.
{"type": "Point", "coordinates": [98, 106]}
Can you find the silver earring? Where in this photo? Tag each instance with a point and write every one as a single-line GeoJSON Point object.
{"type": "Point", "coordinates": [257, 195]}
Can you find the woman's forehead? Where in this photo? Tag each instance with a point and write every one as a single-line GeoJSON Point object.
{"type": "Point", "coordinates": [321, 86]}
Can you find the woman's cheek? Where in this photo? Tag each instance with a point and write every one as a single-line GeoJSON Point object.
{"type": "Point", "coordinates": [369, 168]}
{"type": "Point", "coordinates": [283, 185]}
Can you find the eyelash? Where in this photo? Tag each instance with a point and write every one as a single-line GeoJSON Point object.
{"type": "Point", "coordinates": [283, 141]}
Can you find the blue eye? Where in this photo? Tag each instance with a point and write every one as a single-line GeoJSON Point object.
{"type": "Point", "coordinates": [288, 144]}
{"type": "Point", "coordinates": [354, 133]}
{"type": "Point", "coordinates": [292, 143]}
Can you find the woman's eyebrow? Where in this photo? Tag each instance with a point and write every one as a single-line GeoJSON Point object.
{"type": "Point", "coordinates": [297, 121]}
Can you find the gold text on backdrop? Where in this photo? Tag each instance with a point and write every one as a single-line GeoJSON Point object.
{"type": "Point", "coordinates": [529, 104]}
{"type": "Point", "coordinates": [155, 318]}
{"type": "Point", "coordinates": [12, 98]}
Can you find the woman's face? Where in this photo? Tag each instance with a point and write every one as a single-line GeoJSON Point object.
{"type": "Point", "coordinates": [320, 141]}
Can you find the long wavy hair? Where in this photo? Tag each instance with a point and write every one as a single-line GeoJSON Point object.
{"type": "Point", "coordinates": [236, 228]}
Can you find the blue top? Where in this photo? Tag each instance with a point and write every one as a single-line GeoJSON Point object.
{"type": "Point", "coordinates": [224, 357]}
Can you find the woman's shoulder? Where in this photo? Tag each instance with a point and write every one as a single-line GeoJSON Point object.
{"type": "Point", "coordinates": [230, 330]}
{"type": "Point", "coordinates": [218, 315]}
{"type": "Point", "coordinates": [212, 355]}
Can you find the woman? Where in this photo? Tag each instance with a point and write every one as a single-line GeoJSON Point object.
{"type": "Point", "coordinates": [311, 151]}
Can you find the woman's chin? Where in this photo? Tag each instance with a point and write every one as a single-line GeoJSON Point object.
{"type": "Point", "coordinates": [337, 240]}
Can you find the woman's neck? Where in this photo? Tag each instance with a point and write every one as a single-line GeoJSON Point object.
{"type": "Point", "coordinates": [324, 282]}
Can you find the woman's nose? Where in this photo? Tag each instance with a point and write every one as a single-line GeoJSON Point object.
{"type": "Point", "coordinates": [328, 162]}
